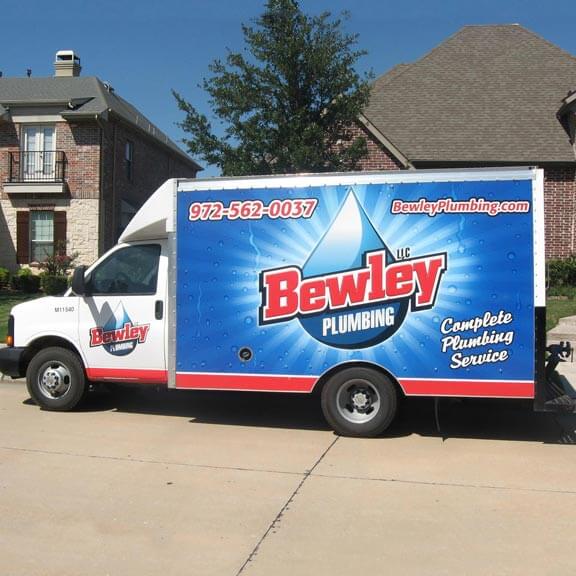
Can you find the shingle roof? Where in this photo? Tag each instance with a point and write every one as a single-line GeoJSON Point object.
{"type": "Point", "coordinates": [83, 96]}
{"type": "Point", "coordinates": [487, 94]}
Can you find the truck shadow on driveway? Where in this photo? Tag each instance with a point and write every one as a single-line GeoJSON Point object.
{"type": "Point", "coordinates": [509, 420]}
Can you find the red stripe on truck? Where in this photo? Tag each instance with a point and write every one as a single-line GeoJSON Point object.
{"type": "Point", "coordinates": [128, 375]}
{"type": "Point", "coordinates": [411, 387]}
{"type": "Point", "coordinates": [468, 388]}
{"type": "Point", "coordinates": [270, 383]}
{"type": "Point", "coordinates": [247, 382]}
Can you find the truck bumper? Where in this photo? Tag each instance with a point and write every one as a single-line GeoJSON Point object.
{"type": "Point", "coordinates": [11, 362]}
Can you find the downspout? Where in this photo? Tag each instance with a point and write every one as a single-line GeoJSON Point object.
{"type": "Point", "coordinates": [567, 118]}
{"type": "Point", "coordinates": [100, 189]}
{"type": "Point", "coordinates": [102, 240]}
{"type": "Point", "coordinates": [572, 127]}
{"type": "Point", "coordinates": [114, 184]}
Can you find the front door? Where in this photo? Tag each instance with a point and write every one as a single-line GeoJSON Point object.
{"type": "Point", "coordinates": [122, 316]}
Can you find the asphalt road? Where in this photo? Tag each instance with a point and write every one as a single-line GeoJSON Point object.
{"type": "Point", "coordinates": [148, 483]}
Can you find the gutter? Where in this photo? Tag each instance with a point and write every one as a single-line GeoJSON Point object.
{"type": "Point", "coordinates": [156, 139]}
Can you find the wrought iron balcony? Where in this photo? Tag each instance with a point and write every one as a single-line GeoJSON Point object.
{"type": "Point", "coordinates": [42, 167]}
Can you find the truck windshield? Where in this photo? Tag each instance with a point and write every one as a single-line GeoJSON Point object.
{"type": "Point", "coordinates": [130, 270]}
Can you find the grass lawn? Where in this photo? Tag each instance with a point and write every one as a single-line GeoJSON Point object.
{"type": "Point", "coordinates": [555, 309]}
{"type": "Point", "coordinates": [7, 300]}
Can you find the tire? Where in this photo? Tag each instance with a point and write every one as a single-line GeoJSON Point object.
{"type": "Point", "coordinates": [359, 402]}
{"type": "Point", "coordinates": [55, 379]}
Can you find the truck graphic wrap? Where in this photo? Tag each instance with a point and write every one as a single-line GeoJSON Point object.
{"type": "Point", "coordinates": [351, 291]}
{"type": "Point", "coordinates": [432, 280]}
{"type": "Point", "coordinates": [119, 336]}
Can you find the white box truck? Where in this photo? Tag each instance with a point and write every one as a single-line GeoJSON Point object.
{"type": "Point", "coordinates": [361, 287]}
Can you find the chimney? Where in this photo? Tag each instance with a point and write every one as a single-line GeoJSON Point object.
{"type": "Point", "coordinates": [66, 64]}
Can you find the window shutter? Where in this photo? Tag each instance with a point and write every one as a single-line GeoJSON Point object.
{"type": "Point", "coordinates": [60, 232]}
{"type": "Point", "coordinates": [23, 237]}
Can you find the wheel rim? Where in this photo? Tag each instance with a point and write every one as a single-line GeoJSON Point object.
{"type": "Point", "coordinates": [358, 401]}
{"type": "Point", "coordinates": [54, 380]}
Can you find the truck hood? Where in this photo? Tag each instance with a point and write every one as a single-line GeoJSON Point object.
{"type": "Point", "coordinates": [38, 305]}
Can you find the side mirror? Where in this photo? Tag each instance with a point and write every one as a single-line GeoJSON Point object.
{"type": "Point", "coordinates": [78, 284]}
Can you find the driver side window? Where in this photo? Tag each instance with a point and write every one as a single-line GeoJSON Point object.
{"type": "Point", "coordinates": [131, 270]}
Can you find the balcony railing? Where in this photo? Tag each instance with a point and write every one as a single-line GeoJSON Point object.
{"type": "Point", "coordinates": [45, 166]}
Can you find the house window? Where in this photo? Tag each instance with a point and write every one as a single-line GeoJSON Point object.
{"type": "Point", "coordinates": [129, 156]}
{"type": "Point", "coordinates": [38, 155]}
{"type": "Point", "coordinates": [41, 235]}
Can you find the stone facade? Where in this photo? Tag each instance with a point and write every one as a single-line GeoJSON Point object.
{"type": "Point", "coordinates": [82, 225]}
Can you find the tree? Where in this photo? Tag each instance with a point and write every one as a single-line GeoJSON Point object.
{"type": "Point", "coordinates": [288, 103]}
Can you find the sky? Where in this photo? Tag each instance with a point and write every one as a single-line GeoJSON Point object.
{"type": "Point", "coordinates": [144, 49]}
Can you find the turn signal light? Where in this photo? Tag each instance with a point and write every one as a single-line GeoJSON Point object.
{"type": "Point", "coordinates": [10, 341]}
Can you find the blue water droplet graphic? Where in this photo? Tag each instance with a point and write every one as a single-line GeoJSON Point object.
{"type": "Point", "coordinates": [343, 247]}
{"type": "Point", "coordinates": [117, 321]}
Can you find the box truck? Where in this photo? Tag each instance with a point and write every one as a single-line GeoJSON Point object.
{"type": "Point", "coordinates": [360, 287]}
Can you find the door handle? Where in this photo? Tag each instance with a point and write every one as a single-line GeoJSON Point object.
{"type": "Point", "coordinates": [159, 310]}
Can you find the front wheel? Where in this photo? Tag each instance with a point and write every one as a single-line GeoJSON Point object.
{"type": "Point", "coordinates": [55, 379]}
{"type": "Point", "coordinates": [359, 402]}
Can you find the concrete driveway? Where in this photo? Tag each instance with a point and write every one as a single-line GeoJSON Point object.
{"type": "Point", "coordinates": [146, 483]}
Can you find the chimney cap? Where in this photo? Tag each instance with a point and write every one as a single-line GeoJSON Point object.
{"type": "Point", "coordinates": [67, 63]}
{"type": "Point", "coordinates": [67, 56]}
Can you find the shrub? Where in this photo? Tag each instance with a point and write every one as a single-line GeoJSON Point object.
{"type": "Point", "coordinates": [562, 272]}
{"type": "Point", "coordinates": [59, 264]}
{"type": "Point", "coordinates": [4, 278]}
{"type": "Point", "coordinates": [25, 281]}
{"type": "Point", "coordinates": [53, 285]}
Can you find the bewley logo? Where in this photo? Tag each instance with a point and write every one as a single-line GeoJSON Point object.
{"type": "Point", "coordinates": [119, 336]}
{"type": "Point", "coordinates": [358, 305]}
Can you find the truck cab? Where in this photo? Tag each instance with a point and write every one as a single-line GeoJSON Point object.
{"type": "Point", "coordinates": [109, 326]}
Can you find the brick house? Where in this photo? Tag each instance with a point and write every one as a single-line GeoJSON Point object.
{"type": "Point", "coordinates": [487, 96]}
{"type": "Point", "coordinates": [76, 162]}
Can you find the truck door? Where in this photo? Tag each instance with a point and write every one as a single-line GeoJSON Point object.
{"type": "Point", "coordinates": [122, 316]}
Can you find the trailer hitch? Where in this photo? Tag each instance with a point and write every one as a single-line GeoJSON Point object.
{"type": "Point", "coordinates": [558, 353]}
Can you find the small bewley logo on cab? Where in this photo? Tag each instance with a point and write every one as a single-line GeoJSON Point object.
{"type": "Point", "coordinates": [119, 336]}
{"type": "Point", "coordinates": [351, 292]}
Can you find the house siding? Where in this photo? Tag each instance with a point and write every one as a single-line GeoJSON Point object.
{"type": "Point", "coordinates": [560, 211]}
{"type": "Point", "coordinates": [378, 157]}
{"type": "Point", "coordinates": [81, 146]}
{"type": "Point", "coordinates": [96, 184]}
{"type": "Point", "coordinates": [152, 166]}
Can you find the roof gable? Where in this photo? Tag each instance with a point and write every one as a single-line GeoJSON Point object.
{"type": "Point", "coordinates": [487, 94]}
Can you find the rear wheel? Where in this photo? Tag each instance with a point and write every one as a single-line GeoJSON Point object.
{"type": "Point", "coordinates": [55, 379]}
{"type": "Point", "coordinates": [359, 402]}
